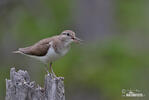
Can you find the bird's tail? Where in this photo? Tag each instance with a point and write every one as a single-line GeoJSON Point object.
{"type": "Point", "coordinates": [16, 52]}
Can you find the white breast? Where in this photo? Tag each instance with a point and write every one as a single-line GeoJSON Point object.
{"type": "Point", "coordinates": [63, 51]}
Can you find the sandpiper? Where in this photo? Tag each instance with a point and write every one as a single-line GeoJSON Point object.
{"type": "Point", "coordinates": [50, 49]}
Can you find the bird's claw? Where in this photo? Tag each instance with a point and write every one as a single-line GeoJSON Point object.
{"type": "Point", "coordinates": [53, 75]}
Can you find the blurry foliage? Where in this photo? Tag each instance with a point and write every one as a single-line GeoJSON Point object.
{"type": "Point", "coordinates": [132, 14]}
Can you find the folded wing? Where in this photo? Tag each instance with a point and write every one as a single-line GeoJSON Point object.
{"type": "Point", "coordinates": [38, 49]}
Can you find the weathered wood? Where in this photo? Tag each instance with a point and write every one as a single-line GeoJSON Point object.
{"type": "Point", "coordinates": [19, 87]}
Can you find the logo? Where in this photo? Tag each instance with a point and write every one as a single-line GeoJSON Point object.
{"type": "Point", "coordinates": [132, 93]}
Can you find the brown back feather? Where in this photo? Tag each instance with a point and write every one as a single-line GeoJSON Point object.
{"type": "Point", "coordinates": [38, 49]}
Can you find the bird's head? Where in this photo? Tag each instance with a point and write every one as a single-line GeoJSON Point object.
{"type": "Point", "coordinates": [69, 36]}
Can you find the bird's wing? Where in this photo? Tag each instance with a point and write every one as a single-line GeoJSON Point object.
{"type": "Point", "coordinates": [38, 49]}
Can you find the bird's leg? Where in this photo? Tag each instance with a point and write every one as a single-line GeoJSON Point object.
{"type": "Point", "coordinates": [46, 69]}
{"type": "Point", "coordinates": [52, 70]}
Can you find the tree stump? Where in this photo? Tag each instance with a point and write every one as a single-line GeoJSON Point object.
{"type": "Point", "coordinates": [19, 87]}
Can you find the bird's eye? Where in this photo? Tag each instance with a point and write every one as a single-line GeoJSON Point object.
{"type": "Point", "coordinates": [68, 34]}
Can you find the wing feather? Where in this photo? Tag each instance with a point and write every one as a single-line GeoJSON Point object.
{"type": "Point", "coordinates": [38, 49]}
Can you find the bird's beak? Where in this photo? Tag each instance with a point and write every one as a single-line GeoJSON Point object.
{"type": "Point", "coordinates": [77, 40]}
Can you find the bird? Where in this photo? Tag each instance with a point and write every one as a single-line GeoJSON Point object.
{"type": "Point", "coordinates": [50, 49]}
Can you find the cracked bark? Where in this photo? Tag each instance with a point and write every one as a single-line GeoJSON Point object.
{"type": "Point", "coordinates": [19, 87]}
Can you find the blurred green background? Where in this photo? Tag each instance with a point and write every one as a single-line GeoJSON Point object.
{"type": "Point", "coordinates": [114, 56]}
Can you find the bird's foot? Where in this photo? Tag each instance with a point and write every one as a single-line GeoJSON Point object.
{"type": "Point", "coordinates": [53, 75]}
{"type": "Point", "coordinates": [48, 72]}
